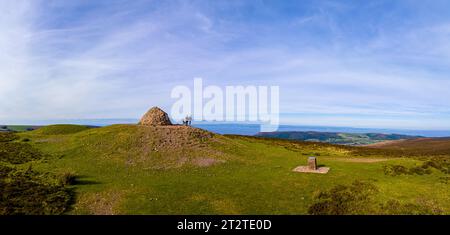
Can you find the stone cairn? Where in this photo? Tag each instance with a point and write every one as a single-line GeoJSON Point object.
{"type": "Point", "coordinates": [155, 117]}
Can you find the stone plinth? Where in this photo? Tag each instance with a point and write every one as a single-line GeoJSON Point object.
{"type": "Point", "coordinates": [312, 163]}
{"type": "Point", "coordinates": [312, 167]}
{"type": "Point", "coordinates": [155, 117]}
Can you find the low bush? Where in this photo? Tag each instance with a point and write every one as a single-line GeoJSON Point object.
{"type": "Point", "coordinates": [358, 198]}
{"type": "Point", "coordinates": [7, 137]}
{"type": "Point", "coordinates": [419, 170]}
{"type": "Point", "coordinates": [18, 153]}
{"type": "Point", "coordinates": [394, 170]}
{"type": "Point", "coordinates": [4, 171]}
{"type": "Point", "coordinates": [394, 207]}
{"type": "Point", "coordinates": [31, 193]}
{"type": "Point", "coordinates": [344, 200]}
{"type": "Point", "coordinates": [437, 163]}
{"type": "Point", "coordinates": [67, 178]}
{"type": "Point", "coordinates": [440, 163]}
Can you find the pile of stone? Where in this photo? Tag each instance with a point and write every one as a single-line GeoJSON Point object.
{"type": "Point", "coordinates": [155, 117]}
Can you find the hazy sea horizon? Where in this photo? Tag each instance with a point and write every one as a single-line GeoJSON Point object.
{"type": "Point", "coordinates": [241, 128]}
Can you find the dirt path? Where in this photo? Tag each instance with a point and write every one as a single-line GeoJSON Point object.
{"type": "Point", "coordinates": [361, 160]}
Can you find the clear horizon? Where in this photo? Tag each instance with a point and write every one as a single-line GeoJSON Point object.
{"type": "Point", "coordinates": [283, 127]}
{"type": "Point", "coordinates": [382, 64]}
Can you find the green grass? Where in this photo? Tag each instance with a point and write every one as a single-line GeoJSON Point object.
{"type": "Point", "coordinates": [130, 169]}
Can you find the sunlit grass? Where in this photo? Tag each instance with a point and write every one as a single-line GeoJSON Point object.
{"type": "Point", "coordinates": [126, 175]}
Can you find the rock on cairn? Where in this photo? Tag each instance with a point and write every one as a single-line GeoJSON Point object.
{"type": "Point", "coordinates": [155, 117]}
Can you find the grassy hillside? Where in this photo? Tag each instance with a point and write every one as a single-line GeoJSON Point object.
{"type": "Point", "coordinates": [335, 137]}
{"type": "Point", "coordinates": [132, 169]}
{"type": "Point", "coordinates": [61, 129]}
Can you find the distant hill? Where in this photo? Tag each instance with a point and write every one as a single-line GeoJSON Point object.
{"type": "Point", "coordinates": [419, 146]}
{"type": "Point", "coordinates": [336, 137]}
{"type": "Point", "coordinates": [18, 128]}
{"type": "Point", "coordinates": [52, 129]}
{"type": "Point", "coordinates": [60, 129]}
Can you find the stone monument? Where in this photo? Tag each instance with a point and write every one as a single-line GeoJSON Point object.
{"type": "Point", "coordinates": [312, 163]}
{"type": "Point", "coordinates": [312, 167]}
{"type": "Point", "coordinates": [155, 117]}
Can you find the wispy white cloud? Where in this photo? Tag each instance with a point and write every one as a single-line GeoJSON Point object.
{"type": "Point", "coordinates": [114, 59]}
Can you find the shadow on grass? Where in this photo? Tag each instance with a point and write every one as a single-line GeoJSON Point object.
{"type": "Point", "coordinates": [77, 180]}
{"type": "Point", "coordinates": [82, 180]}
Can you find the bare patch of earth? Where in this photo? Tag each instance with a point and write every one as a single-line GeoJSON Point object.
{"type": "Point", "coordinates": [102, 203]}
{"type": "Point", "coordinates": [205, 162]}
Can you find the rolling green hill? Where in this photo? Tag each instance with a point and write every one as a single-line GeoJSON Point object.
{"type": "Point", "coordinates": [134, 169]}
{"type": "Point", "coordinates": [60, 129]}
{"type": "Point", "coordinates": [335, 137]}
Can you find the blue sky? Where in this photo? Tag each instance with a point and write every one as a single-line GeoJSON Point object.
{"type": "Point", "coordinates": [382, 64]}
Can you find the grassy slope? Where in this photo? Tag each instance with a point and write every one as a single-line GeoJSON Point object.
{"type": "Point", "coordinates": [129, 169]}
{"type": "Point", "coordinates": [60, 129]}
